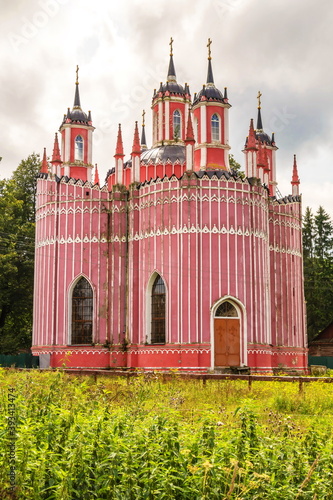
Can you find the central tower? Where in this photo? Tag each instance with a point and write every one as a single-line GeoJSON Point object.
{"type": "Point", "coordinates": [170, 109]}
{"type": "Point", "coordinates": [211, 124]}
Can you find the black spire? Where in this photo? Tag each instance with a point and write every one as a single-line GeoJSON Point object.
{"type": "Point", "coordinates": [171, 71]}
{"type": "Point", "coordinates": [260, 134]}
{"type": "Point", "coordinates": [143, 133]}
{"type": "Point", "coordinates": [210, 78]}
{"type": "Point", "coordinates": [259, 120]}
{"type": "Point", "coordinates": [77, 115]}
{"type": "Point", "coordinates": [77, 103]}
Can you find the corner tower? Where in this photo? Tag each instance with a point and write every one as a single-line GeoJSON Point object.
{"type": "Point", "coordinates": [211, 124]}
{"type": "Point", "coordinates": [260, 153]}
{"type": "Point", "coordinates": [76, 132]}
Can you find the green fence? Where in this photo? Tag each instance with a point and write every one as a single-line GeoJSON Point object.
{"type": "Point", "coordinates": [321, 360]}
{"type": "Point", "coordinates": [27, 360]}
{"type": "Point", "coordinates": [22, 360]}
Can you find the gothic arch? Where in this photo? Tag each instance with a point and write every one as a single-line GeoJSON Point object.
{"type": "Point", "coordinates": [156, 310]}
{"type": "Point", "coordinates": [80, 311]}
{"type": "Point", "coordinates": [229, 307]}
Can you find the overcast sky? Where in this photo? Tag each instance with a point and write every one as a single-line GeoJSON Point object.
{"type": "Point", "coordinates": [281, 47]}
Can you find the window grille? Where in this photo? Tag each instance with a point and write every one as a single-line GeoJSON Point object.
{"type": "Point", "coordinates": [177, 122]}
{"type": "Point", "coordinates": [82, 312]}
{"type": "Point", "coordinates": [226, 310]}
{"type": "Point", "coordinates": [158, 312]}
{"type": "Point", "coordinates": [215, 128]}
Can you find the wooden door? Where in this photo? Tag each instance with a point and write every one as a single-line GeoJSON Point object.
{"type": "Point", "coordinates": [227, 341]}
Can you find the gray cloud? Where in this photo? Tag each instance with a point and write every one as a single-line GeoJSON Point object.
{"type": "Point", "coordinates": [279, 47]}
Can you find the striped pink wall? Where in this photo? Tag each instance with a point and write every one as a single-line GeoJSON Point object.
{"type": "Point", "coordinates": [209, 238]}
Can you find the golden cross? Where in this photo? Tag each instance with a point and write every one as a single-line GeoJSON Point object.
{"type": "Point", "coordinates": [143, 118]}
{"type": "Point", "coordinates": [258, 97]}
{"type": "Point", "coordinates": [208, 45]}
{"type": "Point", "coordinates": [77, 74]}
{"type": "Point", "coordinates": [171, 42]}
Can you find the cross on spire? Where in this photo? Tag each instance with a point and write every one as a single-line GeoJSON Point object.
{"type": "Point", "coordinates": [171, 42]}
{"type": "Point", "coordinates": [259, 101]}
{"type": "Point", "coordinates": [209, 51]}
{"type": "Point", "coordinates": [77, 74]}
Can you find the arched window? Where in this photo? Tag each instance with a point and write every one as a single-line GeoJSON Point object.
{"type": "Point", "coordinates": [79, 148]}
{"type": "Point", "coordinates": [177, 125]}
{"type": "Point", "coordinates": [82, 312]}
{"type": "Point", "coordinates": [226, 310]}
{"type": "Point", "coordinates": [158, 311]}
{"type": "Point", "coordinates": [215, 128]}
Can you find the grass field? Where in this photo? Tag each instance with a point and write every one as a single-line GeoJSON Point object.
{"type": "Point", "coordinates": [68, 437]}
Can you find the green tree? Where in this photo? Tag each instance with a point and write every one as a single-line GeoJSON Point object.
{"type": "Point", "coordinates": [323, 241]}
{"type": "Point", "coordinates": [308, 233]}
{"type": "Point", "coordinates": [235, 166]}
{"type": "Point", "coordinates": [318, 270]}
{"type": "Point", "coordinates": [24, 178]}
{"type": "Point", "coordinates": [17, 228]}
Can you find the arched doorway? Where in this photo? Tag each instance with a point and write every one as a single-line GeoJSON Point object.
{"type": "Point", "coordinates": [226, 335]}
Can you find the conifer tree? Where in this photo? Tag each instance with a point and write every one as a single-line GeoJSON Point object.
{"type": "Point", "coordinates": [318, 270]}
{"type": "Point", "coordinates": [323, 242]}
{"type": "Point", "coordinates": [308, 233]}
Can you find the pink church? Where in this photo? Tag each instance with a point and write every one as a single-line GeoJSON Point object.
{"type": "Point", "coordinates": [177, 262]}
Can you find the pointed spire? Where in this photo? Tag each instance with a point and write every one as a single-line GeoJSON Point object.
{"type": "Point", "coordinates": [143, 132]}
{"type": "Point", "coordinates": [295, 178]}
{"type": "Point", "coordinates": [56, 157]}
{"type": "Point", "coordinates": [171, 71]}
{"type": "Point", "coordinates": [119, 147]}
{"type": "Point", "coordinates": [251, 140]}
{"type": "Point", "coordinates": [96, 178]}
{"type": "Point", "coordinates": [189, 130]}
{"type": "Point", "coordinates": [77, 103]}
{"type": "Point", "coordinates": [210, 78]}
{"type": "Point", "coordinates": [136, 149]}
{"type": "Point", "coordinates": [259, 120]}
{"type": "Point", "coordinates": [295, 181]}
{"type": "Point", "coordinates": [44, 167]}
